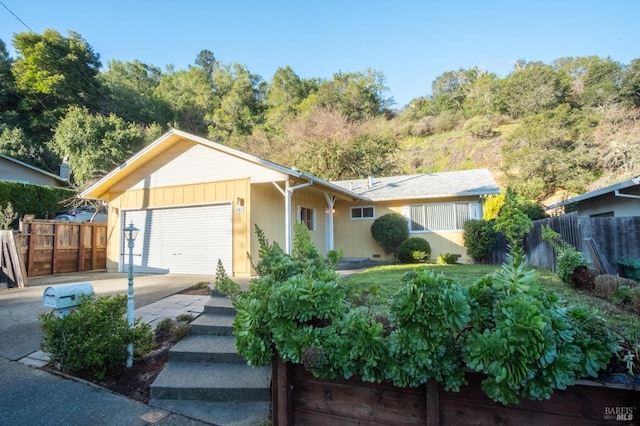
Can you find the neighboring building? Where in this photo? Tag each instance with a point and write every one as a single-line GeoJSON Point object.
{"type": "Point", "coordinates": [17, 171]}
{"type": "Point", "coordinates": [621, 199]}
{"type": "Point", "coordinates": [196, 201]}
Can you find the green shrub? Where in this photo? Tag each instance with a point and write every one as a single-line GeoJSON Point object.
{"type": "Point", "coordinates": [567, 261]}
{"type": "Point", "coordinates": [448, 259]}
{"type": "Point", "coordinates": [479, 127]}
{"type": "Point", "coordinates": [93, 338]}
{"type": "Point", "coordinates": [390, 230]}
{"type": "Point", "coordinates": [414, 250]}
{"type": "Point", "coordinates": [480, 239]}
{"type": "Point", "coordinates": [506, 326]}
{"type": "Point", "coordinates": [223, 284]}
{"type": "Point", "coordinates": [568, 258]}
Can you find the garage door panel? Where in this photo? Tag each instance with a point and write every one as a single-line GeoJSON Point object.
{"type": "Point", "coordinates": [187, 240]}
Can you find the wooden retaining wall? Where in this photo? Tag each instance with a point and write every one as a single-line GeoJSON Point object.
{"type": "Point", "coordinates": [55, 247]}
{"type": "Point", "coordinates": [300, 399]}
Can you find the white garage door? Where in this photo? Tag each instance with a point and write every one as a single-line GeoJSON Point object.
{"type": "Point", "coordinates": [184, 240]}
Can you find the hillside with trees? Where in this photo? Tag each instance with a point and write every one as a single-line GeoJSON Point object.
{"type": "Point", "coordinates": [544, 129]}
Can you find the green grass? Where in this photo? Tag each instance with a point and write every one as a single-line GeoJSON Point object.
{"type": "Point", "coordinates": [376, 285]}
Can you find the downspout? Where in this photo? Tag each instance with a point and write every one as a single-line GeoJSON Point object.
{"type": "Point", "coordinates": [331, 201]}
{"type": "Point", "coordinates": [288, 194]}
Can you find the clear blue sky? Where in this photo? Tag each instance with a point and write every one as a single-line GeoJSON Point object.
{"type": "Point", "coordinates": [411, 42]}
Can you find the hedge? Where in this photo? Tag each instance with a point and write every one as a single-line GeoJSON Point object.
{"type": "Point", "coordinates": [41, 201]}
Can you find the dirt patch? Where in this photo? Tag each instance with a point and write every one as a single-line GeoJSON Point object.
{"type": "Point", "coordinates": [135, 382]}
{"type": "Point", "coordinates": [197, 290]}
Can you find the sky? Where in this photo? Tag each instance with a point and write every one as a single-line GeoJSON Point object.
{"type": "Point", "coordinates": [411, 42]}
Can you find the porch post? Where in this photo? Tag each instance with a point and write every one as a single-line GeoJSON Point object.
{"type": "Point", "coordinates": [331, 201]}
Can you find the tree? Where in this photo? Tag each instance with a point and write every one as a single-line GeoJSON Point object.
{"type": "Point", "coordinates": [285, 92]}
{"type": "Point", "coordinates": [356, 95]}
{"type": "Point", "coordinates": [95, 144]}
{"type": "Point", "coordinates": [190, 98]}
{"type": "Point", "coordinates": [132, 89]}
{"type": "Point", "coordinates": [532, 88]}
{"type": "Point", "coordinates": [630, 86]}
{"type": "Point", "coordinates": [551, 150]}
{"type": "Point", "coordinates": [329, 145]}
{"type": "Point", "coordinates": [52, 73]}
{"type": "Point", "coordinates": [239, 102]}
{"type": "Point", "coordinates": [207, 61]}
{"type": "Point", "coordinates": [595, 82]}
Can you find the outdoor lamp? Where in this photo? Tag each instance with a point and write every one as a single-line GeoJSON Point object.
{"type": "Point", "coordinates": [130, 234]}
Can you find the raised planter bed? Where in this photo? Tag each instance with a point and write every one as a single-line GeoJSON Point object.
{"type": "Point", "coordinates": [300, 399]}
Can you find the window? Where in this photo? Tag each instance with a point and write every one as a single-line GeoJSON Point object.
{"type": "Point", "coordinates": [358, 213]}
{"type": "Point", "coordinates": [438, 216]}
{"type": "Point", "coordinates": [307, 216]}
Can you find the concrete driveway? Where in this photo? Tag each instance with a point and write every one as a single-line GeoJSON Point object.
{"type": "Point", "coordinates": [20, 333]}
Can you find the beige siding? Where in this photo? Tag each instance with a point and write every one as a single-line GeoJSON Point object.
{"type": "Point", "coordinates": [609, 203]}
{"type": "Point", "coordinates": [14, 172]}
{"type": "Point", "coordinates": [268, 214]}
{"type": "Point", "coordinates": [188, 163]}
{"type": "Point", "coordinates": [205, 193]}
{"type": "Point", "coordinates": [354, 236]}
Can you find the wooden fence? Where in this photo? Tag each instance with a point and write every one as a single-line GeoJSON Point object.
{"type": "Point", "coordinates": [604, 240]}
{"type": "Point", "coordinates": [54, 247]}
{"type": "Point", "coordinates": [298, 398]}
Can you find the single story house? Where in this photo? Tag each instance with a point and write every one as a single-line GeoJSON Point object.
{"type": "Point", "coordinates": [14, 170]}
{"type": "Point", "coordinates": [618, 200]}
{"type": "Point", "coordinates": [197, 201]}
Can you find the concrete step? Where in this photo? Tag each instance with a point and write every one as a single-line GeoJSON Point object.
{"type": "Point", "coordinates": [235, 413]}
{"type": "Point", "coordinates": [212, 382]}
{"type": "Point", "coordinates": [213, 324]}
{"type": "Point", "coordinates": [206, 348]}
{"type": "Point", "coordinates": [219, 305]}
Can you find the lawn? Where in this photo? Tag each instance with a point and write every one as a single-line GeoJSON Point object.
{"type": "Point", "coordinates": [377, 284]}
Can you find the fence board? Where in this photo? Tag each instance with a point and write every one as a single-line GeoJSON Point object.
{"type": "Point", "coordinates": [616, 238]}
{"type": "Point", "coordinates": [50, 247]}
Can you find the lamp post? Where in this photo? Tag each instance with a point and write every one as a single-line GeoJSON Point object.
{"type": "Point", "coordinates": [130, 234]}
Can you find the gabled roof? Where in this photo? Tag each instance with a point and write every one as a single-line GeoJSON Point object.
{"type": "Point", "coordinates": [424, 186]}
{"type": "Point", "coordinates": [35, 169]}
{"type": "Point", "coordinates": [598, 192]}
{"type": "Point", "coordinates": [173, 136]}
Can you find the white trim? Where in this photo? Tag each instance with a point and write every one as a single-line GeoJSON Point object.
{"type": "Point", "coordinates": [361, 208]}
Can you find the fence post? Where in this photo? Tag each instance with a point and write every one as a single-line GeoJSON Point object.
{"type": "Point", "coordinates": [433, 403]}
{"type": "Point", "coordinates": [281, 392]}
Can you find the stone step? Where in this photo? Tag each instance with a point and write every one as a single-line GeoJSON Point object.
{"type": "Point", "coordinates": [206, 348]}
{"type": "Point", "coordinates": [237, 413]}
{"type": "Point", "coordinates": [219, 305]}
{"type": "Point", "coordinates": [212, 382]}
{"type": "Point", "coordinates": [213, 324]}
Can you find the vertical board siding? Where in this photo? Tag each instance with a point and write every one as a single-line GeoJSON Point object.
{"type": "Point", "coordinates": [615, 238]}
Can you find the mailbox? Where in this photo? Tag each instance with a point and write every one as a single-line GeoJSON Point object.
{"type": "Point", "coordinates": [65, 297]}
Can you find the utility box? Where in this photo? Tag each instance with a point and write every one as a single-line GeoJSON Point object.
{"type": "Point", "coordinates": [630, 268]}
{"type": "Point", "coordinates": [64, 297]}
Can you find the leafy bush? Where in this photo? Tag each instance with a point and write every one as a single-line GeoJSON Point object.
{"type": "Point", "coordinates": [414, 250]}
{"type": "Point", "coordinates": [480, 239]}
{"type": "Point", "coordinates": [390, 231]}
{"type": "Point", "coordinates": [568, 258]}
{"type": "Point", "coordinates": [448, 259]}
{"type": "Point", "coordinates": [479, 127]}
{"type": "Point", "coordinates": [520, 336]}
{"type": "Point", "coordinates": [93, 338]}
{"type": "Point", "coordinates": [512, 221]}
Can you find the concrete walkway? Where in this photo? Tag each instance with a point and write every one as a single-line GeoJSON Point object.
{"type": "Point", "coordinates": [30, 396]}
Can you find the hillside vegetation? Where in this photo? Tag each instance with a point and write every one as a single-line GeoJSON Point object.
{"type": "Point", "coordinates": [544, 129]}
